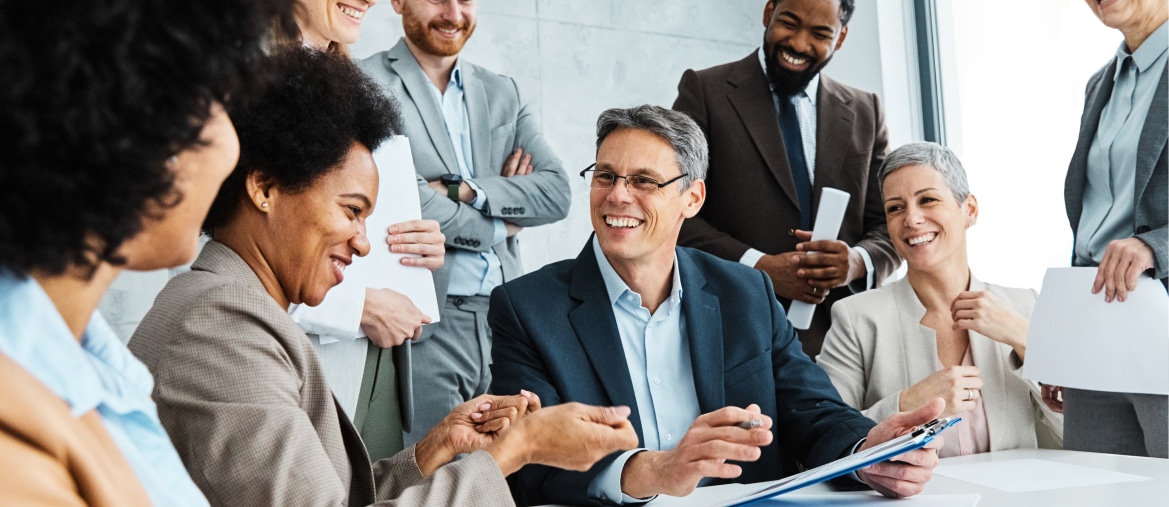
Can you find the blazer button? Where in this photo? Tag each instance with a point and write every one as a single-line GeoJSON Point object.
{"type": "Point", "coordinates": [791, 232]}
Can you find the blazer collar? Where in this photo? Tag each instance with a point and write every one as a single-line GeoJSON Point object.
{"type": "Point", "coordinates": [218, 258]}
{"type": "Point", "coordinates": [703, 332]}
{"type": "Point", "coordinates": [418, 89]}
{"type": "Point", "coordinates": [1154, 135]}
{"type": "Point", "coordinates": [751, 99]}
{"type": "Point", "coordinates": [834, 128]}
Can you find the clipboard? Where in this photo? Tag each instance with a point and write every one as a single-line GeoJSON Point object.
{"type": "Point", "coordinates": [851, 463]}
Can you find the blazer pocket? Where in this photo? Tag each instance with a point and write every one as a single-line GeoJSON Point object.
{"type": "Point", "coordinates": [746, 369]}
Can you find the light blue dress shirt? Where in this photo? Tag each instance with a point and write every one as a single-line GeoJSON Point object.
{"type": "Point", "coordinates": [97, 373]}
{"type": "Point", "coordinates": [1109, 193]}
{"type": "Point", "coordinates": [658, 355]}
{"type": "Point", "coordinates": [472, 273]}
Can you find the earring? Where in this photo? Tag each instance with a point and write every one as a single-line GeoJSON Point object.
{"type": "Point", "coordinates": [264, 205]}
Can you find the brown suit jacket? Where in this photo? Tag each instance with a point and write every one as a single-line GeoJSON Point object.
{"type": "Point", "coordinates": [751, 197]}
{"type": "Point", "coordinates": [242, 395]}
{"type": "Point", "coordinates": [50, 457]}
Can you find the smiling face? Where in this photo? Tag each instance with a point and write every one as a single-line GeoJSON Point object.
{"type": "Point", "coordinates": [315, 232]}
{"type": "Point", "coordinates": [437, 27]}
{"type": "Point", "coordinates": [324, 21]}
{"type": "Point", "coordinates": [170, 234]}
{"type": "Point", "coordinates": [1126, 15]}
{"type": "Point", "coordinates": [634, 228]}
{"type": "Point", "coordinates": [926, 223]}
{"type": "Point", "coordinates": [800, 39]}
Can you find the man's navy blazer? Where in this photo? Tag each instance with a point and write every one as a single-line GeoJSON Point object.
{"type": "Point", "coordinates": [555, 334]}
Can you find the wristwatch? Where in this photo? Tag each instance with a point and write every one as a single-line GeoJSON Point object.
{"type": "Point", "coordinates": [452, 182]}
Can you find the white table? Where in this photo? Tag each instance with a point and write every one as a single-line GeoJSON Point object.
{"type": "Point", "coordinates": [1130, 494]}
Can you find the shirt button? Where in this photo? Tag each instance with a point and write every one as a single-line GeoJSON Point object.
{"type": "Point", "coordinates": [657, 381]}
{"type": "Point", "coordinates": [669, 436]}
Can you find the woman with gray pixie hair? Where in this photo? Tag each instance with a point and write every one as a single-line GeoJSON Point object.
{"type": "Point", "coordinates": [939, 332]}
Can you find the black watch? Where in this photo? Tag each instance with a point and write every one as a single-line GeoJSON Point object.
{"type": "Point", "coordinates": [452, 182]}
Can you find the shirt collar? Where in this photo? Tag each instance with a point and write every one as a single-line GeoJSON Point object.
{"type": "Point", "coordinates": [35, 336]}
{"type": "Point", "coordinates": [1145, 56]}
{"type": "Point", "coordinates": [810, 91]}
{"type": "Point", "coordinates": [616, 287]}
{"type": "Point", "coordinates": [457, 74]}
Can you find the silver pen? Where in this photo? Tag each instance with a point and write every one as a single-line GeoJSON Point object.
{"type": "Point", "coordinates": [752, 424]}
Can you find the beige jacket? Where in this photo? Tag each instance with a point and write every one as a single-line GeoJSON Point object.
{"type": "Point", "coordinates": [49, 457]}
{"type": "Point", "coordinates": [242, 395]}
{"type": "Point", "coordinates": [877, 347]}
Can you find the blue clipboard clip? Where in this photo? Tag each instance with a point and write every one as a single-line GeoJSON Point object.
{"type": "Point", "coordinates": [884, 451]}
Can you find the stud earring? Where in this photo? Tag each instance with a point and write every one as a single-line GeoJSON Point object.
{"type": "Point", "coordinates": [264, 205]}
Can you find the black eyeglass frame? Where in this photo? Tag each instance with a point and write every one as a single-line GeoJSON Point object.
{"type": "Point", "coordinates": [662, 185]}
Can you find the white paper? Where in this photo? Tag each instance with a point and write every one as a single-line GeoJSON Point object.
{"type": "Point", "coordinates": [713, 494]}
{"type": "Point", "coordinates": [1077, 340]}
{"type": "Point", "coordinates": [1032, 475]}
{"type": "Point", "coordinates": [829, 215]}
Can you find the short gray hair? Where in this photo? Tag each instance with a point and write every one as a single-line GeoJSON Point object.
{"type": "Point", "coordinates": [932, 155]}
{"type": "Point", "coordinates": [674, 127]}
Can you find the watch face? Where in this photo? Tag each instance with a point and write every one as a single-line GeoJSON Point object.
{"type": "Point", "coordinates": [451, 179]}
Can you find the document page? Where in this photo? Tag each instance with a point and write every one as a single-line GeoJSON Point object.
{"type": "Point", "coordinates": [1033, 475]}
{"type": "Point", "coordinates": [1077, 340]}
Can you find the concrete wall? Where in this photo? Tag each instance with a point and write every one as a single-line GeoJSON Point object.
{"type": "Point", "coordinates": [576, 59]}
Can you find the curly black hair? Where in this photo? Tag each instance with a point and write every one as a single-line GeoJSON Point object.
{"type": "Point", "coordinates": [304, 124]}
{"type": "Point", "coordinates": [94, 98]}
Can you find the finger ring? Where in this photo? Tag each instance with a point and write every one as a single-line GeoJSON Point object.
{"type": "Point", "coordinates": [815, 291]}
{"type": "Point", "coordinates": [969, 394]}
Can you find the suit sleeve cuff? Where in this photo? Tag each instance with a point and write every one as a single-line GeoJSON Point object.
{"type": "Point", "coordinates": [855, 286]}
{"type": "Point", "coordinates": [606, 486]}
{"type": "Point", "coordinates": [751, 257]}
{"type": "Point", "coordinates": [853, 475]}
{"type": "Point", "coordinates": [480, 199]}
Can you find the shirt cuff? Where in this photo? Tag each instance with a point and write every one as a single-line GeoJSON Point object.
{"type": "Point", "coordinates": [751, 257]}
{"type": "Point", "coordinates": [337, 318]}
{"type": "Point", "coordinates": [868, 271]}
{"type": "Point", "coordinates": [853, 475]}
{"type": "Point", "coordinates": [480, 199]}
{"type": "Point", "coordinates": [500, 233]}
{"type": "Point", "coordinates": [606, 486]}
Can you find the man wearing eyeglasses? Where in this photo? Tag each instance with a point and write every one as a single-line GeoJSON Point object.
{"type": "Point", "coordinates": [779, 132]}
{"type": "Point", "coordinates": [697, 346]}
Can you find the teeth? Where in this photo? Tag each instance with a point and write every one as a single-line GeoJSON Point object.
{"type": "Point", "coordinates": [793, 60]}
{"type": "Point", "coordinates": [351, 12]}
{"type": "Point", "coordinates": [924, 238]}
{"type": "Point", "coordinates": [622, 222]}
{"type": "Point", "coordinates": [340, 265]}
{"type": "Point", "coordinates": [451, 31]}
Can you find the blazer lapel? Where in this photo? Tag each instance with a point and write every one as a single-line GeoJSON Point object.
{"type": "Point", "coordinates": [751, 99]}
{"type": "Point", "coordinates": [418, 86]}
{"type": "Point", "coordinates": [1078, 169]}
{"type": "Point", "coordinates": [704, 334]}
{"type": "Point", "coordinates": [1153, 136]}
{"type": "Point", "coordinates": [480, 126]}
{"type": "Point", "coordinates": [917, 337]}
{"type": "Point", "coordinates": [989, 358]}
{"type": "Point", "coordinates": [596, 328]}
{"type": "Point", "coordinates": [833, 130]}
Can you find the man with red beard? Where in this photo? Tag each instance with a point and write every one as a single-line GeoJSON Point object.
{"type": "Point", "coordinates": [484, 173]}
{"type": "Point", "coordinates": [779, 132]}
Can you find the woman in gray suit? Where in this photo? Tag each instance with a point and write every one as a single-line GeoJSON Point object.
{"type": "Point", "coordinates": [239, 387]}
{"type": "Point", "coordinates": [939, 332]}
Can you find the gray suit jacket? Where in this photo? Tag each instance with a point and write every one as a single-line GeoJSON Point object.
{"type": "Point", "coordinates": [501, 121]}
{"type": "Point", "coordinates": [877, 347]}
{"type": "Point", "coordinates": [751, 197]}
{"type": "Point", "coordinates": [1151, 209]}
{"type": "Point", "coordinates": [242, 395]}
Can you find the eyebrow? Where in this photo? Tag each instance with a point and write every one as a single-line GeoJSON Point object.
{"type": "Point", "coordinates": [638, 171]}
{"type": "Point", "coordinates": [362, 197]}
{"type": "Point", "coordinates": [797, 19]}
{"type": "Point", "coordinates": [919, 192]}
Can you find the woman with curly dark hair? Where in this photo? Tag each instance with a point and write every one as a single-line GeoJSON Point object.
{"type": "Point", "coordinates": [240, 387]}
{"type": "Point", "coordinates": [116, 141]}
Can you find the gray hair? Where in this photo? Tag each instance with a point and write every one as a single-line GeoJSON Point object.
{"type": "Point", "coordinates": [674, 127]}
{"type": "Point", "coordinates": [932, 155]}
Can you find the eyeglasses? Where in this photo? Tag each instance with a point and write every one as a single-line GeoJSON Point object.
{"type": "Point", "coordinates": [603, 179]}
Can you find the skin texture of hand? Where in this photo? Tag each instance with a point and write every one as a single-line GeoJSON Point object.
{"type": "Point", "coordinates": [713, 439]}
{"type": "Point", "coordinates": [950, 384]}
{"type": "Point", "coordinates": [1124, 261]}
{"type": "Point", "coordinates": [571, 436]}
{"type": "Point", "coordinates": [986, 314]}
{"type": "Point", "coordinates": [904, 475]}
{"type": "Point", "coordinates": [421, 237]}
{"type": "Point", "coordinates": [472, 426]}
{"type": "Point", "coordinates": [782, 269]}
{"type": "Point", "coordinates": [1052, 397]}
{"type": "Point", "coordinates": [834, 264]}
{"type": "Point", "coordinates": [517, 164]}
{"type": "Point", "coordinates": [512, 229]}
{"type": "Point", "coordinates": [390, 318]}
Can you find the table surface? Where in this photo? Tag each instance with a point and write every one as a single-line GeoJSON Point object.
{"type": "Point", "coordinates": [1154, 492]}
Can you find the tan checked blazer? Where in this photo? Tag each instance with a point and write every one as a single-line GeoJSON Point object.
{"type": "Point", "coordinates": [242, 395]}
{"type": "Point", "coordinates": [49, 457]}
